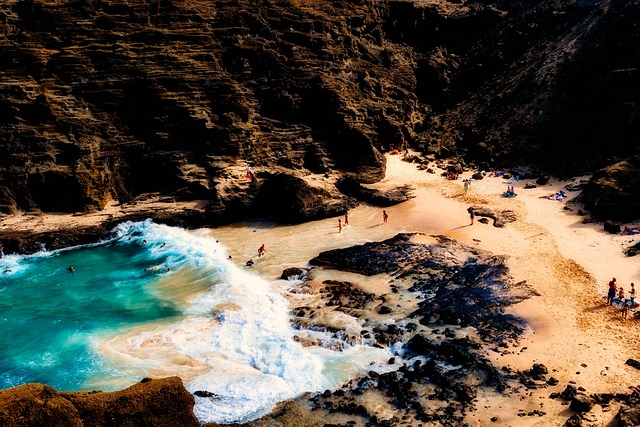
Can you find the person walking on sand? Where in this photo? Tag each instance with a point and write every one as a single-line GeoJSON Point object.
{"type": "Point", "coordinates": [339, 226]}
{"type": "Point", "coordinates": [472, 214]}
{"type": "Point", "coordinates": [466, 186]}
{"type": "Point", "coordinates": [346, 217]}
{"type": "Point", "coordinates": [385, 216]}
{"type": "Point", "coordinates": [612, 291]}
{"type": "Point", "coordinates": [261, 251]}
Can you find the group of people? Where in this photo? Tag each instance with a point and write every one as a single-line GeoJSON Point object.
{"type": "Point", "coordinates": [628, 231]}
{"type": "Point", "coordinates": [346, 221]}
{"type": "Point", "coordinates": [404, 147]}
{"type": "Point", "coordinates": [342, 224]}
{"type": "Point", "coordinates": [616, 295]}
{"type": "Point", "coordinates": [560, 195]}
{"type": "Point", "coordinates": [511, 192]}
{"type": "Point", "coordinates": [261, 252]}
{"type": "Point", "coordinates": [452, 175]}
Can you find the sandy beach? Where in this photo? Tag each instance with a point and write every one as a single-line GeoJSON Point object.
{"type": "Point", "coordinates": [570, 328]}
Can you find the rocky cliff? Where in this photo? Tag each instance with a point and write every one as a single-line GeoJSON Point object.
{"type": "Point", "coordinates": [111, 100]}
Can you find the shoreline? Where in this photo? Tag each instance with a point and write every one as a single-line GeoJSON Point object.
{"type": "Point", "coordinates": [570, 329]}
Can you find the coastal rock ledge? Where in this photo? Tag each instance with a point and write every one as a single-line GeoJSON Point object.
{"type": "Point", "coordinates": [157, 402]}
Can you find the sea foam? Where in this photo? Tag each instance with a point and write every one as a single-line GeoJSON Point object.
{"type": "Point", "coordinates": [237, 337]}
{"type": "Point", "coordinates": [157, 301]}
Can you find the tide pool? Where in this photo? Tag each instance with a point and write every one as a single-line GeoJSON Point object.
{"type": "Point", "coordinates": [158, 301]}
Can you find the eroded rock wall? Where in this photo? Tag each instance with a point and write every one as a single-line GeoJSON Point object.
{"type": "Point", "coordinates": [110, 99]}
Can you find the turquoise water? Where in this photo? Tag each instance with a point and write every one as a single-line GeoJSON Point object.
{"type": "Point", "coordinates": [159, 301]}
{"type": "Point", "coordinates": [48, 314]}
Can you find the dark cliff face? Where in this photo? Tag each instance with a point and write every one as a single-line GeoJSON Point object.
{"type": "Point", "coordinates": [553, 84]}
{"type": "Point", "coordinates": [111, 99]}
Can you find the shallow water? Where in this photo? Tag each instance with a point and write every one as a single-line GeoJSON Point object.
{"type": "Point", "coordinates": [160, 301]}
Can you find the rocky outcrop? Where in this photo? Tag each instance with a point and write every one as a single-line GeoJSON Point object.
{"type": "Point", "coordinates": [111, 100]}
{"type": "Point", "coordinates": [162, 402]}
{"type": "Point", "coordinates": [614, 192]}
{"type": "Point", "coordinates": [468, 289]}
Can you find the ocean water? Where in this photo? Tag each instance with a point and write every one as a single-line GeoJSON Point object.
{"type": "Point", "coordinates": [159, 301]}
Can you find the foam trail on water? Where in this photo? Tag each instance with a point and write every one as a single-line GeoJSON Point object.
{"type": "Point", "coordinates": [235, 340]}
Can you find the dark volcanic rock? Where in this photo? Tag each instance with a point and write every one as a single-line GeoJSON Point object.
{"type": "Point", "coordinates": [582, 403]}
{"type": "Point", "coordinates": [420, 345]}
{"type": "Point", "coordinates": [628, 416]}
{"type": "Point", "coordinates": [569, 392]}
{"type": "Point", "coordinates": [371, 258]}
{"type": "Point", "coordinates": [611, 227]}
{"type": "Point", "coordinates": [633, 362]}
{"type": "Point", "coordinates": [469, 292]}
{"type": "Point", "coordinates": [346, 296]}
{"type": "Point", "coordinates": [573, 421]}
{"type": "Point", "coordinates": [614, 192]}
{"type": "Point", "coordinates": [162, 402]}
{"type": "Point", "coordinates": [500, 218]}
{"type": "Point", "coordinates": [293, 273]}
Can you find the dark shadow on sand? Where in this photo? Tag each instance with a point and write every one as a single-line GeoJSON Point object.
{"type": "Point", "coordinates": [461, 226]}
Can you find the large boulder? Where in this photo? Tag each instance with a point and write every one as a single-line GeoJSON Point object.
{"type": "Point", "coordinates": [159, 403]}
{"type": "Point", "coordinates": [628, 417]}
{"type": "Point", "coordinates": [613, 192]}
{"type": "Point", "coordinates": [582, 403]}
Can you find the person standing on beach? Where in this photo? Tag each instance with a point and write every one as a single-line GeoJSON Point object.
{"type": "Point", "coordinates": [612, 291]}
{"type": "Point", "coordinates": [339, 226]}
{"type": "Point", "coordinates": [385, 216]}
{"type": "Point", "coordinates": [472, 214]}
{"type": "Point", "coordinates": [466, 186]}
{"type": "Point", "coordinates": [625, 309]}
{"type": "Point", "coordinates": [632, 294]}
{"type": "Point", "coordinates": [346, 217]}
